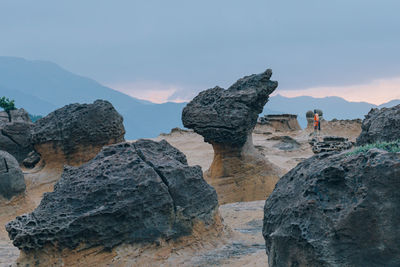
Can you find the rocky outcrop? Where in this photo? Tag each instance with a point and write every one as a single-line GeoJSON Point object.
{"type": "Point", "coordinates": [15, 133]}
{"type": "Point", "coordinates": [380, 125]}
{"type": "Point", "coordinates": [75, 133]}
{"type": "Point", "coordinates": [226, 119]}
{"type": "Point", "coordinates": [286, 143]}
{"type": "Point", "coordinates": [130, 193]}
{"type": "Point", "coordinates": [12, 181]}
{"type": "Point", "coordinates": [336, 210]}
{"type": "Point", "coordinates": [281, 122]}
{"type": "Point", "coordinates": [329, 144]}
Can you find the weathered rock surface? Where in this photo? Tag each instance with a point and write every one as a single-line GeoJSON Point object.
{"type": "Point", "coordinates": [31, 160]}
{"type": "Point", "coordinates": [226, 119]}
{"type": "Point", "coordinates": [15, 134]}
{"type": "Point", "coordinates": [281, 122]}
{"type": "Point", "coordinates": [380, 125]}
{"type": "Point", "coordinates": [129, 193]}
{"type": "Point", "coordinates": [12, 180]}
{"type": "Point", "coordinates": [329, 144]}
{"type": "Point", "coordinates": [228, 116]}
{"type": "Point", "coordinates": [336, 210]}
{"type": "Point", "coordinates": [75, 133]}
{"type": "Point", "coordinates": [286, 143]}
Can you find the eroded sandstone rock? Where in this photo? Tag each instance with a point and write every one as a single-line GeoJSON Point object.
{"type": "Point", "coordinates": [329, 144]}
{"type": "Point", "coordinates": [380, 125]}
{"type": "Point", "coordinates": [226, 119]}
{"type": "Point", "coordinates": [281, 122]}
{"type": "Point", "coordinates": [129, 193]}
{"type": "Point", "coordinates": [12, 181]}
{"type": "Point", "coordinates": [336, 210]}
{"type": "Point", "coordinates": [75, 133]}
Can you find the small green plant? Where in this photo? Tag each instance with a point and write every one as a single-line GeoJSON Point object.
{"type": "Point", "coordinates": [7, 105]}
{"type": "Point", "coordinates": [393, 147]}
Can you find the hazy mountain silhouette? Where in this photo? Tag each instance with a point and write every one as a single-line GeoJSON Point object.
{"type": "Point", "coordinates": [41, 87]}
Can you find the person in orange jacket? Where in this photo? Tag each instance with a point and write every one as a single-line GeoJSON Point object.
{"type": "Point", "coordinates": [317, 125]}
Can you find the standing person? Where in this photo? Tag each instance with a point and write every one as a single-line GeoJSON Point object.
{"type": "Point", "coordinates": [316, 122]}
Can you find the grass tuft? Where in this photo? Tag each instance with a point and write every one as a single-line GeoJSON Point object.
{"type": "Point", "coordinates": [393, 147]}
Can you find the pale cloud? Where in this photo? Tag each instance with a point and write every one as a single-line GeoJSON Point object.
{"type": "Point", "coordinates": [376, 92]}
{"type": "Point", "coordinates": [155, 92]}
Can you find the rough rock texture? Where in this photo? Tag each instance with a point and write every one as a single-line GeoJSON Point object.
{"type": "Point", "coordinates": [12, 180]}
{"type": "Point", "coordinates": [75, 133]}
{"type": "Point", "coordinates": [281, 122]}
{"type": "Point", "coordinates": [226, 119]}
{"type": "Point", "coordinates": [329, 144]}
{"type": "Point", "coordinates": [31, 160]}
{"type": "Point", "coordinates": [380, 125]}
{"type": "Point", "coordinates": [336, 210]}
{"type": "Point", "coordinates": [129, 193]}
{"type": "Point", "coordinates": [228, 116]}
{"type": "Point", "coordinates": [15, 134]}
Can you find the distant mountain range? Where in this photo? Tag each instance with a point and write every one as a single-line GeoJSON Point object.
{"type": "Point", "coordinates": [41, 87]}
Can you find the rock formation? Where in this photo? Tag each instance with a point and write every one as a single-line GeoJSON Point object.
{"type": "Point", "coordinates": [336, 210]}
{"type": "Point", "coordinates": [226, 119]}
{"type": "Point", "coordinates": [281, 122]}
{"type": "Point", "coordinates": [380, 125]}
{"type": "Point", "coordinates": [130, 193]}
{"type": "Point", "coordinates": [15, 133]}
{"type": "Point", "coordinates": [286, 143]}
{"type": "Point", "coordinates": [75, 133]}
{"type": "Point", "coordinates": [329, 144]}
{"type": "Point", "coordinates": [12, 180]}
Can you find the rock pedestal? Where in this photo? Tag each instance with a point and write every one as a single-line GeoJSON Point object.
{"type": "Point", "coordinates": [226, 119]}
{"type": "Point", "coordinates": [130, 193]}
{"type": "Point", "coordinates": [281, 122]}
{"type": "Point", "coordinates": [336, 210]}
{"type": "Point", "coordinates": [74, 134]}
{"type": "Point", "coordinates": [12, 181]}
{"type": "Point", "coordinates": [380, 125]}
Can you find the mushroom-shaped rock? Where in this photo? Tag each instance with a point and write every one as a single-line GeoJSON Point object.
{"type": "Point", "coordinates": [15, 133]}
{"type": "Point", "coordinates": [226, 119]}
{"type": "Point", "coordinates": [75, 133]}
{"type": "Point", "coordinates": [380, 125]}
{"type": "Point", "coordinates": [12, 180]}
{"type": "Point", "coordinates": [336, 210]}
{"type": "Point", "coordinates": [130, 193]}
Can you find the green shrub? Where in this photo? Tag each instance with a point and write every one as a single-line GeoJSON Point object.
{"type": "Point", "coordinates": [7, 104]}
{"type": "Point", "coordinates": [393, 147]}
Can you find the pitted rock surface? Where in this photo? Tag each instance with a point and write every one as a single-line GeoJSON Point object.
{"type": "Point", "coordinates": [228, 116]}
{"type": "Point", "coordinates": [129, 193]}
{"type": "Point", "coordinates": [15, 134]}
{"type": "Point", "coordinates": [336, 210]}
{"type": "Point", "coordinates": [380, 125]}
{"type": "Point", "coordinates": [80, 125]}
{"type": "Point", "coordinates": [12, 180]}
{"type": "Point", "coordinates": [329, 144]}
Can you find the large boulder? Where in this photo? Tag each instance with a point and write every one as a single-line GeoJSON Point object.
{"type": "Point", "coordinates": [226, 119]}
{"type": "Point", "coordinates": [12, 181]}
{"type": "Point", "coordinates": [15, 133]}
{"type": "Point", "coordinates": [130, 193]}
{"type": "Point", "coordinates": [75, 133]}
{"type": "Point", "coordinates": [336, 210]}
{"type": "Point", "coordinates": [380, 125]}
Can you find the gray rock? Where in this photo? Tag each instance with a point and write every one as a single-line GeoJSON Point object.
{"type": "Point", "coordinates": [380, 125]}
{"type": "Point", "coordinates": [281, 122]}
{"type": "Point", "coordinates": [12, 180]}
{"type": "Point", "coordinates": [228, 116]}
{"type": "Point", "coordinates": [15, 135]}
{"type": "Point", "coordinates": [329, 144]}
{"type": "Point", "coordinates": [129, 193]}
{"type": "Point", "coordinates": [31, 160]}
{"type": "Point", "coordinates": [336, 210]}
{"type": "Point", "coordinates": [286, 143]}
{"type": "Point", "coordinates": [78, 128]}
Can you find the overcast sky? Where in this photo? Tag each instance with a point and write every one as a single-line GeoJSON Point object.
{"type": "Point", "coordinates": [172, 49]}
